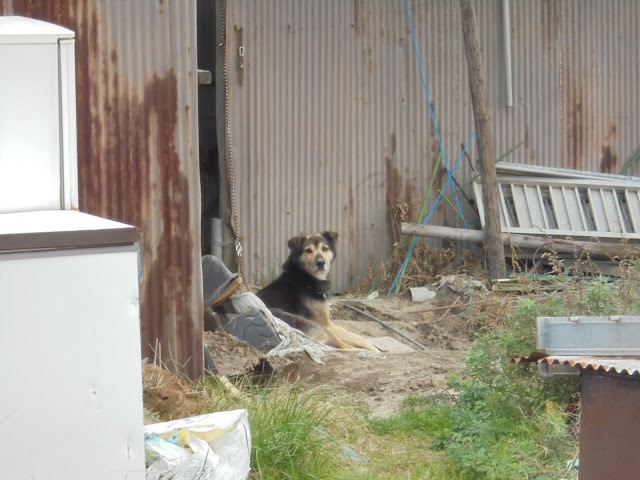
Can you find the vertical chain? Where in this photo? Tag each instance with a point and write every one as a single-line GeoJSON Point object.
{"type": "Point", "coordinates": [230, 170]}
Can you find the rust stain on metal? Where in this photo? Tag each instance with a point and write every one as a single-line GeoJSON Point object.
{"type": "Point", "coordinates": [532, 357]}
{"type": "Point", "coordinates": [129, 170]}
{"type": "Point", "coordinates": [170, 271]}
{"type": "Point", "coordinates": [609, 159]}
{"type": "Point", "coordinates": [411, 195]}
{"type": "Point", "coordinates": [550, 20]}
{"type": "Point", "coordinates": [394, 144]}
{"type": "Point", "coordinates": [434, 146]}
{"type": "Point", "coordinates": [51, 11]}
{"type": "Point", "coordinates": [358, 14]}
{"type": "Point", "coordinates": [576, 126]}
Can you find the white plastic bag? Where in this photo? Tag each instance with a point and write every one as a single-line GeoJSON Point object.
{"type": "Point", "coordinates": [214, 446]}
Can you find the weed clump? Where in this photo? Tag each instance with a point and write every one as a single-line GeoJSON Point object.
{"type": "Point", "coordinates": [294, 432]}
{"type": "Point", "coordinates": [424, 266]}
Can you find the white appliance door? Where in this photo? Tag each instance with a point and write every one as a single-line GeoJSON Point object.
{"type": "Point", "coordinates": [70, 365]}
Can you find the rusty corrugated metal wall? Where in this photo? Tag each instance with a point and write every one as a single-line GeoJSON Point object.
{"type": "Point", "coordinates": [330, 127]}
{"type": "Point", "coordinates": [137, 149]}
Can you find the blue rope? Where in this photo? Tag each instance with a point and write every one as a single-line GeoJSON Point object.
{"type": "Point", "coordinates": [433, 207]}
{"type": "Point", "coordinates": [449, 180]}
{"type": "Point", "coordinates": [444, 157]}
{"type": "Point", "coordinates": [426, 91]}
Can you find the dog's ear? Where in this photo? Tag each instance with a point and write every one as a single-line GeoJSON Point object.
{"type": "Point", "coordinates": [332, 236]}
{"type": "Point", "coordinates": [295, 242]}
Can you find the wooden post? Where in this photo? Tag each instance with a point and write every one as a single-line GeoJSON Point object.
{"type": "Point", "coordinates": [486, 165]}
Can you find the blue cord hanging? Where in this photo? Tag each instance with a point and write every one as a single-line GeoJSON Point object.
{"type": "Point", "coordinates": [426, 91]}
{"type": "Point", "coordinates": [444, 157]}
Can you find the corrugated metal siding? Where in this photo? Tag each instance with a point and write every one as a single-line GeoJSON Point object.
{"type": "Point", "coordinates": [330, 127]}
{"type": "Point", "coordinates": [137, 149]}
{"type": "Point", "coordinates": [330, 124]}
{"type": "Point", "coordinates": [622, 365]}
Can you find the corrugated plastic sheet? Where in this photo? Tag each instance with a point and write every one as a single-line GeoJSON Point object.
{"type": "Point", "coordinates": [331, 130]}
{"type": "Point", "coordinates": [621, 365]}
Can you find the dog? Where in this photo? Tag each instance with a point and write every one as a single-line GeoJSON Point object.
{"type": "Point", "coordinates": [299, 295]}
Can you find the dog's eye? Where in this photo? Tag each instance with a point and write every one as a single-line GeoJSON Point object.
{"type": "Point", "coordinates": [325, 248]}
{"type": "Point", "coordinates": [308, 250]}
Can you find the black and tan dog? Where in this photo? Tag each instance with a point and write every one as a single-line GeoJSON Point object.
{"type": "Point", "coordinates": [299, 295]}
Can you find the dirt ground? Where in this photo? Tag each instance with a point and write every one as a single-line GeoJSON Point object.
{"type": "Point", "coordinates": [381, 380]}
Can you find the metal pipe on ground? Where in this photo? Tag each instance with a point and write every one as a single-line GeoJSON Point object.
{"type": "Point", "coordinates": [386, 325]}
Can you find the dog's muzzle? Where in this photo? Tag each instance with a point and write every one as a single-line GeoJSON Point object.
{"type": "Point", "coordinates": [320, 264]}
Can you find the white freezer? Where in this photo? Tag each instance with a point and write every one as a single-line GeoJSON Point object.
{"type": "Point", "coordinates": [70, 357]}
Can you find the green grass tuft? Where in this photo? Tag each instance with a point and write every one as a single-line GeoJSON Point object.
{"type": "Point", "coordinates": [296, 434]}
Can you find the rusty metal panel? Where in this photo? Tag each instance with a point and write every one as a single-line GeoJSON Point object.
{"type": "Point", "coordinates": [137, 149]}
{"type": "Point", "coordinates": [609, 434]}
{"type": "Point", "coordinates": [330, 127]}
